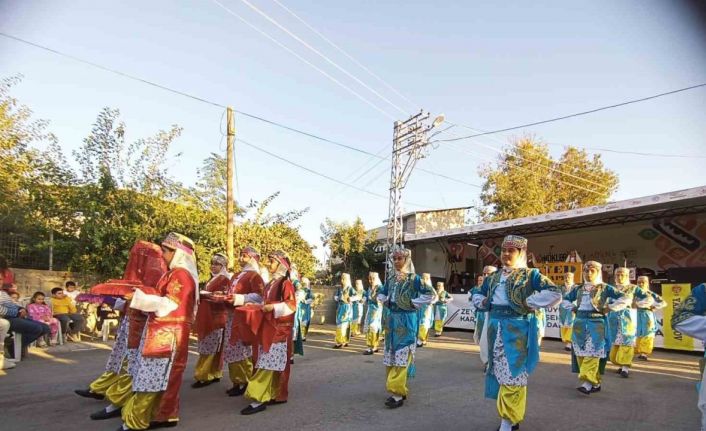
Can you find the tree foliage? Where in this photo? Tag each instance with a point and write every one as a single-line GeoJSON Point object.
{"type": "Point", "coordinates": [121, 192]}
{"type": "Point", "coordinates": [527, 181]}
{"type": "Point", "coordinates": [351, 244]}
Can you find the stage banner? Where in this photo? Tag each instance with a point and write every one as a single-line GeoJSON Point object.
{"type": "Point", "coordinates": [674, 295]}
{"type": "Point", "coordinates": [461, 315]}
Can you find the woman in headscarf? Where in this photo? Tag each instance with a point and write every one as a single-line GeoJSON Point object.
{"type": "Point", "coordinates": [511, 296]}
{"type": "Point", "coordinates": [307, 313]}
{"type": "Point", "coordinates": [441, 309]}
{"type": "Point", "coordinates": [210, 324]}
{"type": "Point", "coordinates": [566, 315]}
{"type": "Point", "coordinates": [344, 297]}
{"type": "Point", "coordinates": [164, 346]}
{"type": "Point", "coordinates": [591, 301]}
{"type": "Point", "coordinates": [426, 314]}
{"type": "Point", "coordinates": [373, 316]}
{"type": "Point", "coordinates": [622, 324]}
{"type": "Point", "coordinates": [246, 287]}
{"type": "Point", "coordinates": [481, 317]}
{"type": "Point", "coordinates": [270, 383]}
{"type": "Point", "coordinates": [646, 322]}
{"type": "Point", "coordinates": [403, 294]}
{"type": "Point", "coordinates": [357, 307]}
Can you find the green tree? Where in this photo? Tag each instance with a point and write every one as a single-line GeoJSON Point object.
{"type": "Point", "coordinates": [526, 181]}
{"type": "Point", "coordinates": [269, 232]}
{"type": "Point", "coordinates": [350, 243]}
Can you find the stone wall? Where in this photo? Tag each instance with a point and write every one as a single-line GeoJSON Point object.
{"type": "Point", "coordinates": [29, 281]}
{"type": "Point", "coordinates": [327, 309]}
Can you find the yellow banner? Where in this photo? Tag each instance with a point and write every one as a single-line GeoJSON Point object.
{"type": "Point", "coordinates": [674, 295]}
{"type": "Point", "coordinates": [556, 270]}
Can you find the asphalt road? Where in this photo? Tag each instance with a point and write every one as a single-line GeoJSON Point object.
{"type": "Point", "coordinates": [344, 390]}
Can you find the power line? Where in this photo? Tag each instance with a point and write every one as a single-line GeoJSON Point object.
{"type": "Point", "coordinates": [350, 57]}
{"type": "Point", "coordinates": [576, 186]}
{"type": "Point", "coordinates": [212, 103]}
{"type": "Point", "coordinates": [317, 52]}
{"type": "Point", "coordinates": [633, 153]}
{"type": "Point", "coordinates": [117, 72]}
{"type": "Point", "coordinates": [504, 152]}
{"type": "Point", "coordinates": [312, 65]}
{"type": "Point", "coordinates": [577, 114]}
{"type": "Point", "coordinates": [322, 175]}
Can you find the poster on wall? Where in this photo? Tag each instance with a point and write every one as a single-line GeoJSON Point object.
{"type": "Point", "coordinates": [456, 252]}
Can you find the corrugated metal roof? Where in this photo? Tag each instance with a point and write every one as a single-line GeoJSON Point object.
{"type": "Point", "coordinates": [664, 204]}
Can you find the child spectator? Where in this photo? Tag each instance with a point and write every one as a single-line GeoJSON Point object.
{"type": "Point", "coordinates": [71, 291]}
{"type": "Point", "coordinates": [65, 311]}
{"type": "Point", "coordinates": [15, 296]}
{"type": "Point", "coordinates": [40, 311]}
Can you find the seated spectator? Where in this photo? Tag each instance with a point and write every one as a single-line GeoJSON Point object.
{"type": "Point", "coordinates": [41, 312]}
{"type": "Point", "coordinates": [71, 291]}
{"type": "Point", "coordinates": [5, 363]}
{"type": "Point", "coordinates": [65, 311]}
{"type": "Point", "coordinates": [6, 274]}
{"type": "Point", "coordinates": [18, 318]}
{"type": "Point", "coordinates": [105, 313]}
{"type": "Point", "coordinates": [15, 296]}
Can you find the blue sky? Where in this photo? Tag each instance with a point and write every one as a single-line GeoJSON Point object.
{"type": "Point", "coordinates": [484, 64]}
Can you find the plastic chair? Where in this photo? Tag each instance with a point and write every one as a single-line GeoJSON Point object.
{"type": "Point", "coordinates": [105, 330]}
{"type": "Point", "coordinates": [17, 341]}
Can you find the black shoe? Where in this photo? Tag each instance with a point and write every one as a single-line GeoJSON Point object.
{"type": "Point", "coordinates": [437, 335]}
{"type": "Point", "coordinates": [250, 410]}
{"type": "Point", "coordinates": [391, 403]}
{"type": "Point", "coordinates": [199, 384]}
{"type": "Point", "coordinates": [103, 414]}
{"type": "Point", "coordinates": [86, 393]}
{"type": "Point", "coordinates": [291, 361]}
{"type": "Point", "coordinates": [624, 374]}
{"type": "Point", "coordinates": [595, 389]}
{"type": "Point", "coordinates": [338, 346]}
{"type": "Point", "coordinates": [275, 402]}
{"type": "Point", "coordinates": [514, 427]}
{"type": "Point", "coordinates": [618, 371]}
{"type": "Point", "coordinates": [236, 391]}
{"type": "Point", "coordinates": [163, 424]}
{"type": "Point", "coordinates": [584, 390]}
{"type": "Point", "coordinates": [404, 398]}
{"type": "Point", "coordinates": [368, 352]}
{"type": "Point", "coordinates": [345, 344]}
{"type": "Point", "coordinates": [567, 348]}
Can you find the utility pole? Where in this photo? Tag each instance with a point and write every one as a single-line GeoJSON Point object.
{"type": "Point", "coordinates": [230, 202]}
{"type": "Point", "coordinates": [409, 144]}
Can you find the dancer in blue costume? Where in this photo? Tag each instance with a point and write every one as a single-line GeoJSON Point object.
{"type": "Point", "coordinates": [566, 315]}
{"type": "Point", "coordinates": [689, 318]}
{"type": "Point", "coordinates": [357, 307]}
{"type": "Point", "coordinates": [403, 293]}
{"type": "Point", "coordinates": [441, 309]}
{"type": "Point", "coordinates": [373, 316]}
{"type": "Point", "coordinates": [426, 314]}
{"type": "Point", "coordinates": [512, 296]}
{"type": "Point", "coordinates": [646, 322]}
{"type": "Point", "coordinates": [622, 324]}
{"type": "Point", "coordinates": [345, 297]}
{"type": "Point", "coordinates": [591, 301]}
{"type": "Point", "coordinates": [306, 312]}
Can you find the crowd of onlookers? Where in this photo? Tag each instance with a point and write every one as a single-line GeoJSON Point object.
{"type": "Point", "coordinates": [41, 319]}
